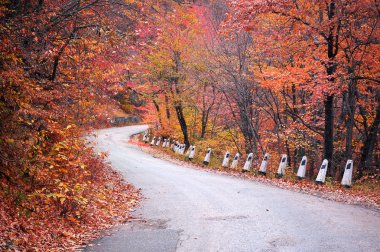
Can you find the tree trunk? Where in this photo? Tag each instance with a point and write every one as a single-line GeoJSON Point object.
{"type": "Point", "coordinates": [182, 123]}
{"type": "Point", "coordinates": [167, 108]}
{"type": "Point", "coordinates": [206, 109]}
{"type": "Point", "coordinates": [328, 145]}
{"type": "Point", "coordinates": [370, 141]}
{"type": "Point", "coordinates": [249, 138]}
{"type": "Point", "coordinates": [351, 105]}
{"type": "Point", "coordinates": [332, 50]}
{"type": "Point", "coordinates": [158, 111]}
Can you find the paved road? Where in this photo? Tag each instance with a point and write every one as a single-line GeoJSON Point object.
{"type": "Point", "coordinates": [190, 210]}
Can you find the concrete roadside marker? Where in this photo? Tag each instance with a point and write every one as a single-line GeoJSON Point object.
{"type": "Point", "coordinates": [264, 164]}
{"type": "Point", "coordinates": [321, 177]}
{"type": "Point", "coordinates": [226, 159]}
{"type": "Point", "coordinates": [302, 168]}
{"type": "Point", "coordinates": [282, 166]}
{"type": "Point", "coordinates": [248, 163]}
{"type": "Point", "coordinates": [176, 148]}
{"type": "Point", "coordinates": [164, 143]}
{"type": "Point", "coordinates": [179, 149]}
{"type": "Point", "coordinates": [146, 140]}
{"type": "Point", "coordinates": [347, 175]}
{"type": "Point", "coordinates": [188, 151]}
{"type": "Point", "coordinates": [146, 136]}
{"type": "Point", "coordinates": [235, 161]}
{"type": "Point", "coordinates": [183, 147]}
{"type": "Point", "coordinates": [206, 161]}
{"type": "Point", "coordinates": [158, 141]}
{"type": "Point", "coordinates": [192, 152]}
{"type": "Point", "coordinates": [153, 141]}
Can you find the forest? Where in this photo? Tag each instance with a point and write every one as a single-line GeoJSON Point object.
{"type": "Point", "coordinates": [291, 77]}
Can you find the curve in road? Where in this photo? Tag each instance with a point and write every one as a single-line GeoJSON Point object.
{"type": "Point", "coordinates": [185, 209]}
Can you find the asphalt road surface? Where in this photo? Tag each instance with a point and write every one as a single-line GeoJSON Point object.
{"type": "Point", "coordinates": [186, 209]}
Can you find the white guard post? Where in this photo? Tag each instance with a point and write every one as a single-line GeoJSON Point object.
{"type": "Point", "coordinates": [302, 168]}
{"type": "Point", "coordinates": [147, 138]}
{"type": "Point", "coordinates": [347, 175]}
{"type": "Point", "coordinates": [235, 162]}
{"type": "Point", "coordinates": [264, 164]}
{"type": "Point", "coordinates": [192, 152]}
{"type": "Point", "coordinates": [322, 172]}
{"type": "Point", "coordinates": [183, 147]}
{"type": "Point", "coordinates": [248, 163]}
{"type": "Point", "coordinates": [153, 141]}
{"type": "Point", "coordinates": [144, 137]}
{"type": "Point", "coordinates": [176, 149]}
{"type": "Point", "coordinates": [172, 145]}
{"type": "Point", "coordinates": [282, 166]}
{"type": "Point", "coordinates": [226, 159]}
{"type": "Point", "coordinates": [164, 143]}
{"type": "Point", "coordinates": [206, 161]}
{"type": "Point", "coordinates": [158, 141]}
{"type": "Point", "coordinates": [167, 143]}
{"type": "Point", "coordinates": [188, 151]}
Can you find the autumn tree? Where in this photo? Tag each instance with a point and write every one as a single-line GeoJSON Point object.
{"type": "Point", "coordinates": [60, 63]}
{"type": "Point", "coordinates": [324, 30]}
{"type": "Point", "coordinates": [168, 61]}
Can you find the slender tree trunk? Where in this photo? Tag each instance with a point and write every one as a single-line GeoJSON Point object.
{"type": "Point", "coordinates": [177, 103]}
{"type": "Point", "coordinates": [214, 120]}
{"type": "Point", "coordinates": [328, 145]}
{"type": "Point", "coordinates": [167, 107]}
{"type": "Point", "coordinates": [158, 111]}
{"type": "Point", "coordinates": [370, 141]}
{"type": "Point", "coordinates": [206, 109]}
{"type": "Point", "coordinates": [351, 116]}
{"type": "Point", "coordinates": [249, 138]}
{"type": "Point", "coordinates": [204, 113]}
{"type": "Point", "coordinates": [195, 121]}
{"type": "Point", "coordinates": [204, 123]}
{"type": "Point", "coordinates": [182, 122]}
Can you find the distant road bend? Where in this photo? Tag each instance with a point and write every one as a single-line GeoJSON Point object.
{"type": "Point", "coordinates": [192, 210]}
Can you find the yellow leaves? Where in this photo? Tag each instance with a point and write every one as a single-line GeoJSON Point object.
{"type": "Point", "coordinates": [9, 140]}
{"type": "Point", "coordinates": [25, 105]}
{"type": "Point", "coordinates": [54, 195]}
{"type": "Point", "coordinates": [62, 185]}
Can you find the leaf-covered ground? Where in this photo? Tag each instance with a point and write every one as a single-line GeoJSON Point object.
{"type": "Point", "coordinates": [109, 199]}
{"type": "Point", "coordinates": [365, 194]}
